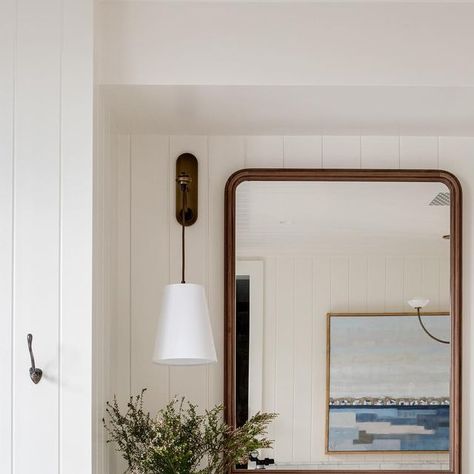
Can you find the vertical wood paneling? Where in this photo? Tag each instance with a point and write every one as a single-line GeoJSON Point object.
{"type": "Point", "coordinates": [303, 333]}
{"type": "Point", "coordinates": [430, 282]}
{"type": "Point", "coordinates": [341, 152]}
{"type": "Point", "coordinates": [284, 356]}
{"type": "Point", "coordinates": [444, 286]}
{"type": "Point", "coordinates": [149, 191]}
{"type": "Point", "coordinates": [394, 284]}
{"type": "Point", "coordinates": [321, 306]}
{"type": "Point", "coordinates": [412, 280]}
{"type": "Point", "coordinates": [303, 152]}
{"type": "Point", "coordinates": [269, 347]}
{"type": "Point", "coordinates": [120, 349]}
{"type": "Point", "coordinates": [76, 220]}
{"type": "Point", "coordinates": [7, 41]}
{"type": "Point", "coordinates": [380, 152]}
{"type": "Point", "coordinates": [296, 288]}
{"type": "Point", "coordinates": [109, 246]}
{"type": "Point", "coordinates": [104, 284]}
{"type": "Point", "coordinates": [376, 283]}
{"type": "Point", "coordinates": [192, 382]}
{"type": "Point", "coordinates": [254, 270]}
{"type": "Point", "coordinates": [99, 316]}
{"type": "Point", "coordinates": [226, 155]}
{"type": "Point", "coordinates": [121, 323]}
{"type": "Point", "coordinates": [264, 152]}
{"type": "Point", "coordinates": [358, 282]}
{"type": "Point", "coordinates": [419, 152]}
{"type": "Point", "coordinates": [339, 284]}
{"type": "Point", "coordinates": [456, 155]}
{"type": "Point", "coordinates": [37, 234]}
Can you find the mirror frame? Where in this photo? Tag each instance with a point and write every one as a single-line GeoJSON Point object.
{"type": "Point", "coordinates": [372, 175]}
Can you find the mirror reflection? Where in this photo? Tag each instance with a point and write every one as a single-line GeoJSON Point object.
{"type": "Point", "coordinates": [343, 324]}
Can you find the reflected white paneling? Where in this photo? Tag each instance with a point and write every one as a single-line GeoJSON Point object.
{"type": "Point", "coordinates": [306, 289]}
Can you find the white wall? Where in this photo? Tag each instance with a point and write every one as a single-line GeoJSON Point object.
{"type": "Point", "coordinates": [105, 274]}
{"type": "Point", "coordinates": [45, 234]}
{"type": "Point", "coordinates": [299, 292]}
{"type": "Point", "coordinates": [375, 44]}
{"type": "Point", "coordinates": [148, 239]}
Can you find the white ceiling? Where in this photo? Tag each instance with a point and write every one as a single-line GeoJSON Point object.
{"type": "Point", "coordinates": [254, 110]}
{"type": "Point", "coordinates": [285, 43]}
{"type": "Point", "coordinates": [340, 218]}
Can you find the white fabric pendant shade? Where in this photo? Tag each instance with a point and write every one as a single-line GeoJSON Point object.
{"type": "Point", "coordinates": [184, 332]}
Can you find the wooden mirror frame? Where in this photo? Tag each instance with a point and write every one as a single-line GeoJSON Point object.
{"type": "Point", "coordinates": [276, 174]}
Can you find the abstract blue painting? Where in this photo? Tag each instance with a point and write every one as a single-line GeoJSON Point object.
{"type": "Point", "coordinates": [388, 384]}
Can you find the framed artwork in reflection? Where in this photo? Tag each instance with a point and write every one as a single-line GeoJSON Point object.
{"type": "Point", "coordinates": [388, 383]}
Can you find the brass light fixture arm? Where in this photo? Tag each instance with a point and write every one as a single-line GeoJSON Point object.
{"type": "Point", "coordinates": [186, 199]}
{"type": "Point", "coordinates": [183, 180]}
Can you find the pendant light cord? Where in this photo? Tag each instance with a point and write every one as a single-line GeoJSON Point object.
{"type": "Point", "coordinates": [426, 330]}
{"type": "Point", "coordinates": [184, 190]}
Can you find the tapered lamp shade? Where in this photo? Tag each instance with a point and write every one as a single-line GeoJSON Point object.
{"type": "Point", "coordinates": [184, 333]}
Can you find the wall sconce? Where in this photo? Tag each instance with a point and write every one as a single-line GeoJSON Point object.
{"type": "Point", "coordinates": [184, 332]}
{"type": "Point", "coordinates": [417, 303]}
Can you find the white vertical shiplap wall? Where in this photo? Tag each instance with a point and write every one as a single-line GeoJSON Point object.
{"type": "Point", "coordinates": [7, 87]}
{"type": "Point", "coordinates": [299, 292]}
{"type": "Point", "coordinates": [105, 283]}
{"type": "Point", "coordinates": [76, 240]}
{"type": "Point", "coordinates": [456, 155]}
{"type": "Point", "coordinates": [46, 234]}
{"type": "Point", "coordinates": [149, 247]}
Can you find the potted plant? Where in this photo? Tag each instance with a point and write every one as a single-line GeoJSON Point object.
{"type": "Point", "coordinates": [179, 440]}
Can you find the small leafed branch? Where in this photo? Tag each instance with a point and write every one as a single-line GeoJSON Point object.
{"type": "Point", "coordinates": [179, 440]}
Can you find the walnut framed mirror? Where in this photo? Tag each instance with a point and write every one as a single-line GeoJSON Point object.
{"type": "Point", "coordinates": [343, 316]}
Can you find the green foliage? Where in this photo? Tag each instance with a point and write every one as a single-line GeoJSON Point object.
{"type": "Point", "coordinates": [180, 440]}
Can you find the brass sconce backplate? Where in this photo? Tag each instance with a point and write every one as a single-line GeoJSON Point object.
{"type": "Point", "coordinates": [188, 164]}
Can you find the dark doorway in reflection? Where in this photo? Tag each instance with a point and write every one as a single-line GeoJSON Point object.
{"type": "Point", "coordinates": [242, 302]}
